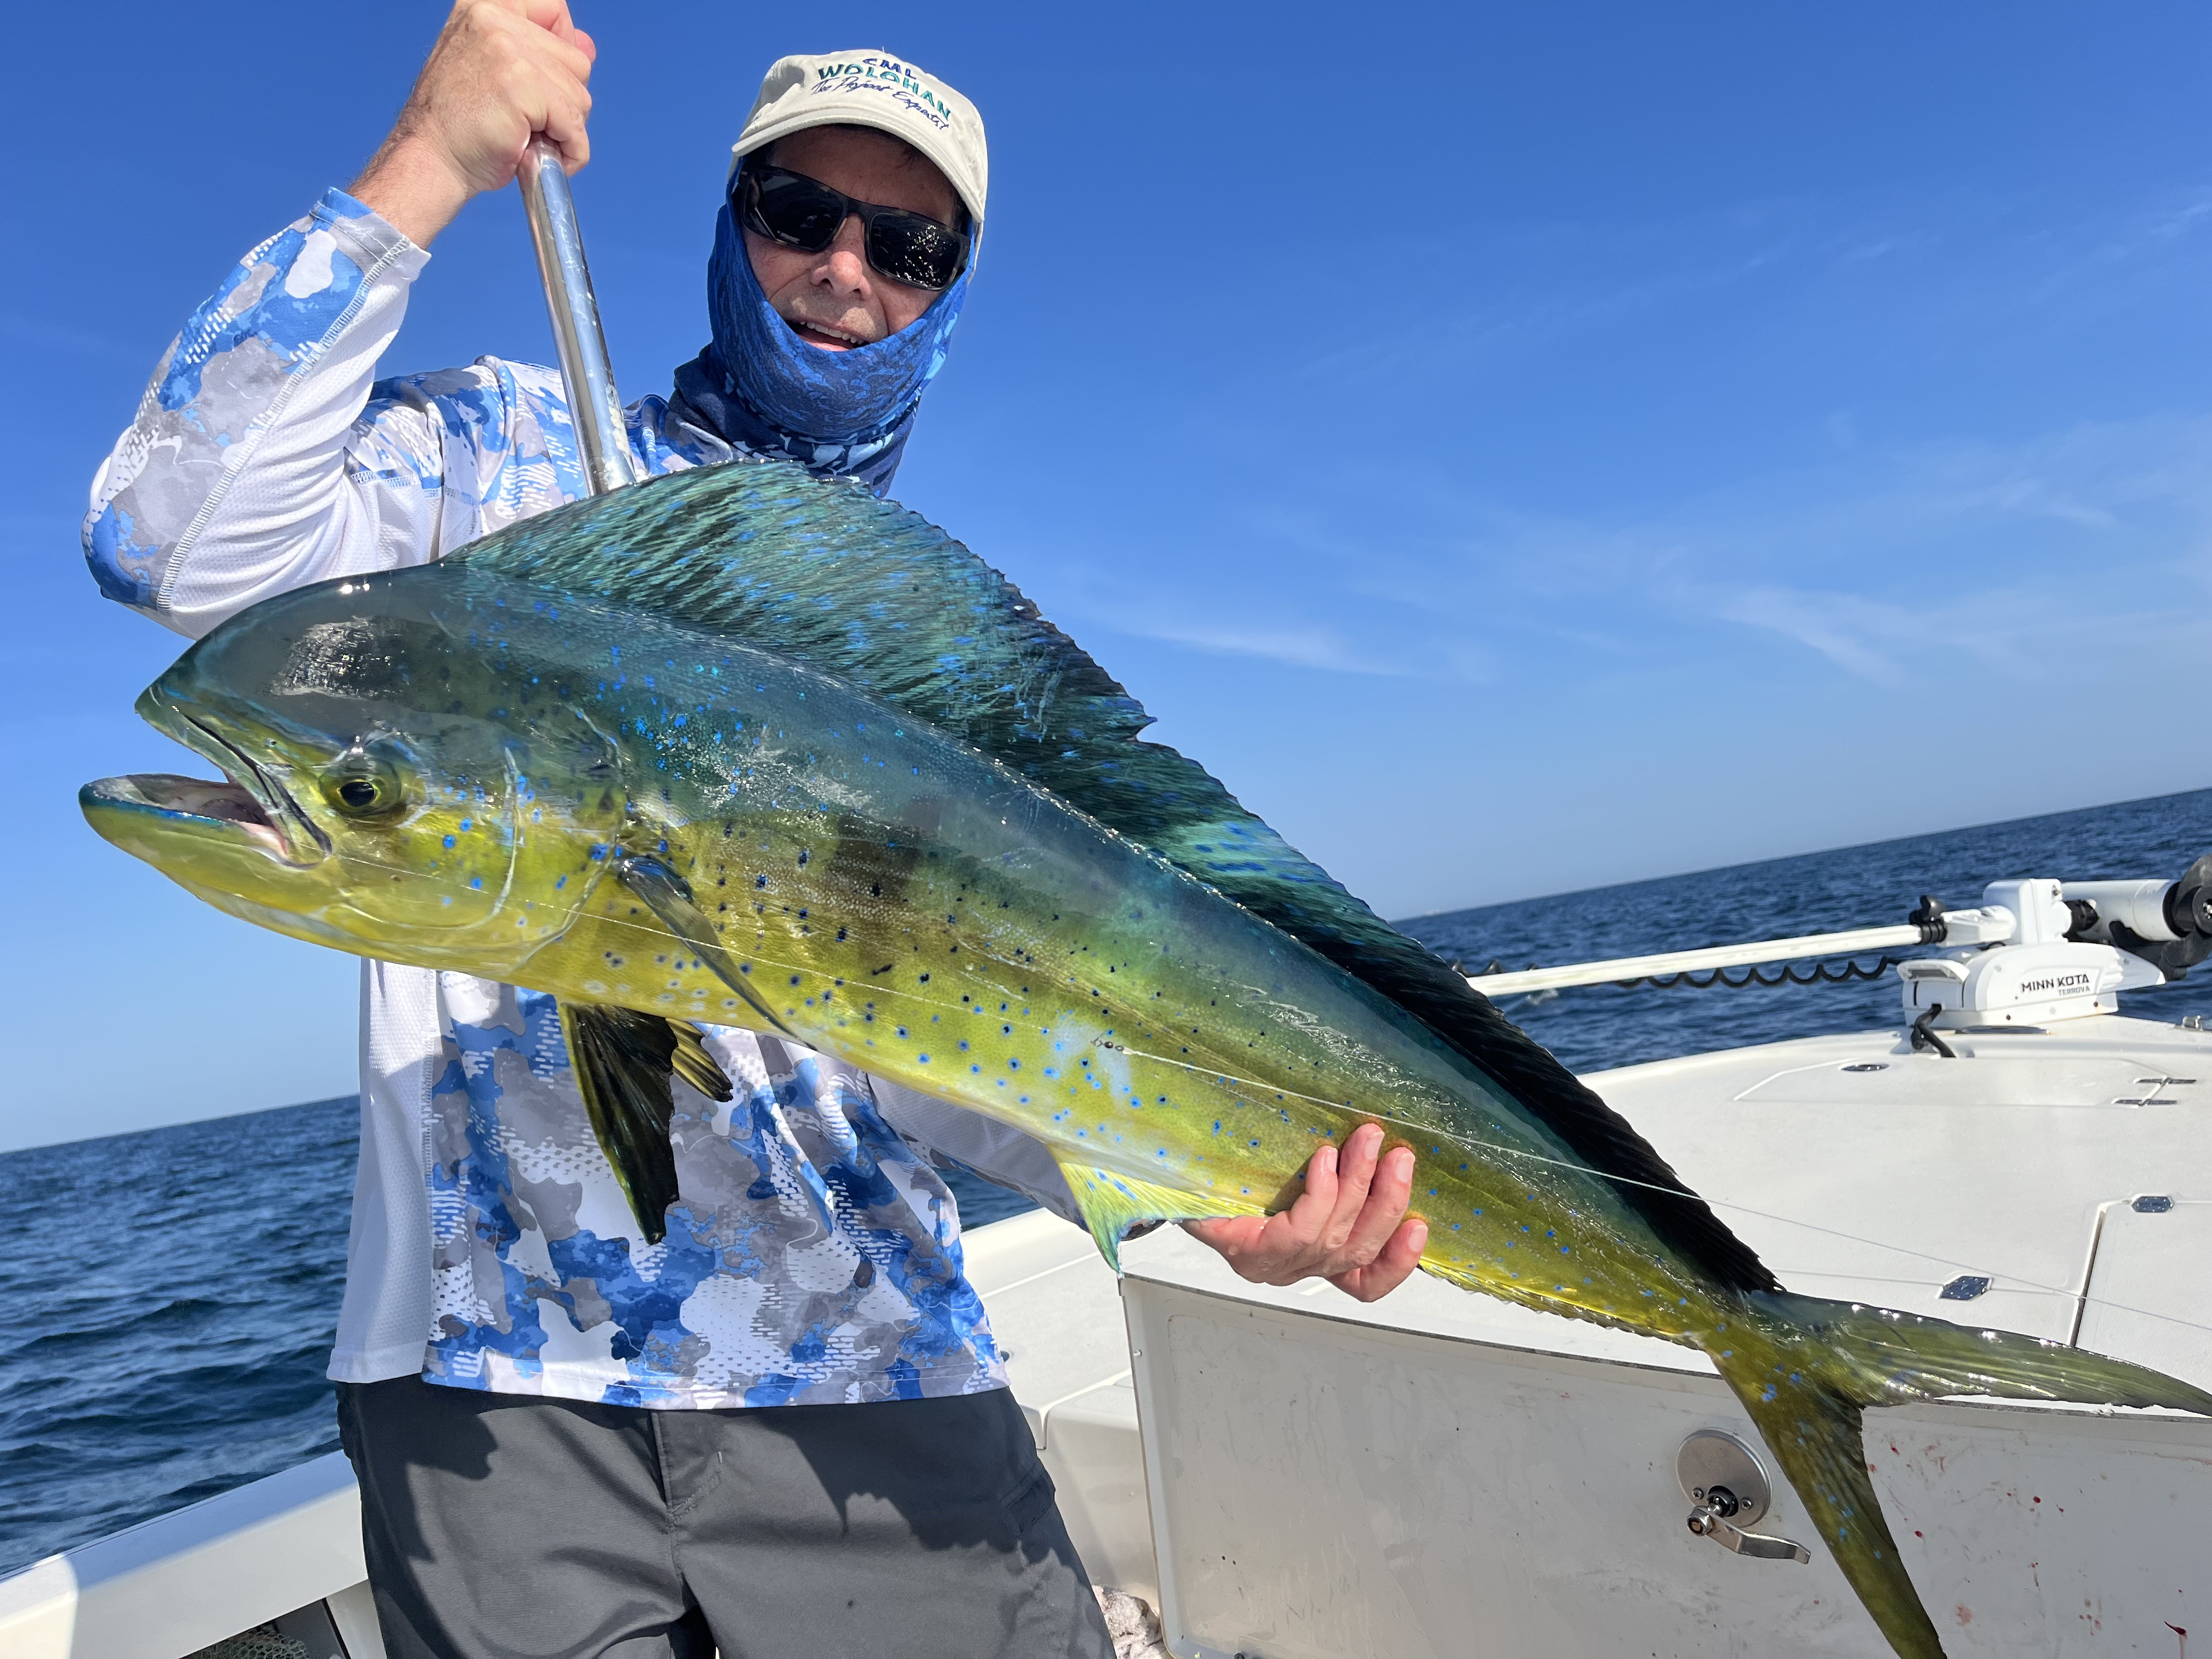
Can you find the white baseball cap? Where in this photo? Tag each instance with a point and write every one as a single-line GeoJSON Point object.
{"type": "Point", "coordinates": [872, 88]}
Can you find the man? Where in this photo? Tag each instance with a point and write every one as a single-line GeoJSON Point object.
{"type": "Point", "coordinates": [785, 1428]}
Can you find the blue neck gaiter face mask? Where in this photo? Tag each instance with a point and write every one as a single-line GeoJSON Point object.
{"type": "Point", "coordinates": [761, 387]}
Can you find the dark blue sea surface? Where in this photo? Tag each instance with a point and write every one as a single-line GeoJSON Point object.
{"type": "Point", "coordinates": [180, 1350]}
{"type": "Point", "coordinates": [176, 1349]}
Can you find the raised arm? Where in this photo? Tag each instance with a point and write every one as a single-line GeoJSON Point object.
{"type": "Point", "coordinates": [501, 71]}
{"type": "Point", "coordinates": [259, 460]}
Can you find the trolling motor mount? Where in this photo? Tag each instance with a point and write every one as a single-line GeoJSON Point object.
{"type": "Point", "coordinates": [2167, 923]}
{"type": "Point", "coordinates": [2041, 951]}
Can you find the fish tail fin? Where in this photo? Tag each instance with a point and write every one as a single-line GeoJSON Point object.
{"type": "Point", "coordinates": [1806, 1368]}
{"type": "Point", "coordinates": [1814, 1434]}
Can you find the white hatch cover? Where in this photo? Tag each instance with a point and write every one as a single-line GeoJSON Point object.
{"type": "Point", "coordinates": [2150, 1290]}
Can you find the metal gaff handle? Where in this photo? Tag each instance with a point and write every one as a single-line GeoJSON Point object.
{"type": "Point", "coordinates": [577, 335]}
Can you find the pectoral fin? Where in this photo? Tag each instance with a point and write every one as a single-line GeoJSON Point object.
{"type": "Point", "coordinates": [668, 896]}
{"type": "Point", "coordinates": [1112, 1203]}
{"type": "Point", "coordinates": [624, 1061]}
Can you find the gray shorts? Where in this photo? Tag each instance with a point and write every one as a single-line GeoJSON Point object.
{"type": "Point", "coordinates": [511, 1527]}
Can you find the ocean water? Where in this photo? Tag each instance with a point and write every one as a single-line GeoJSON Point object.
{"type": "Point", "coordinates": [169, 1360]}
{"type": "Point", "coordinates": [167, 1305]}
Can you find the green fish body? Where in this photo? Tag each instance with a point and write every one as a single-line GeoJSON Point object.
{"type": "Point", "coordinates": [736, 747]}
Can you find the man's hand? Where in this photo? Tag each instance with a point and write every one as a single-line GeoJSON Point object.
{"type": "Point", "coordinates": [501, 71]}
{"type": "Point", "coordinates": [1349, 1226]}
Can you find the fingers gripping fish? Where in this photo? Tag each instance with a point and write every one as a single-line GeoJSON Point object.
{"type": "Point", "coordinates": [736, 747]}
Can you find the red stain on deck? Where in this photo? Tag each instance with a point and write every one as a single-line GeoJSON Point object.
{"type": "Point", "coordinates": [1966, 1614]}
{"type": "Point", "coordinates": [2182, 1636]}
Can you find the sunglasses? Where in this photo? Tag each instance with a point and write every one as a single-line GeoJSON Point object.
{"type": "Point", "coordinates": [805, 213]}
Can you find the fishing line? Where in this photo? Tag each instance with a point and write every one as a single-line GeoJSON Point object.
{"type": "Point", "coordinates": [2072, 1294]}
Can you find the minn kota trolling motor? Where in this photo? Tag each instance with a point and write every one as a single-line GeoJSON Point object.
{"type": "Point", "coordinates": [2040, 951]}
{"type": "Point", "coordinates": [2032, 952]}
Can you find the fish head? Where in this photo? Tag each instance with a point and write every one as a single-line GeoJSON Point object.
{"type": "Point", "coordinates": [391, 787]}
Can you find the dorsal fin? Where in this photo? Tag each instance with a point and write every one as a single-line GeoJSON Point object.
{"type": "Point", "coordinates": [825, 573]}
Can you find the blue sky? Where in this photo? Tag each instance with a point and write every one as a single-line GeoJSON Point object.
{"type": "Point", "coordinates": [1518, 448]}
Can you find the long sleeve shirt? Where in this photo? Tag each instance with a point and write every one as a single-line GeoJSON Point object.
{"type": "Point", "coordinates": [814, 1255]}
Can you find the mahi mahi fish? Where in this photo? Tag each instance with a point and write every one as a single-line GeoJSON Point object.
{"type": "Point", "coordinates": [739, 747]}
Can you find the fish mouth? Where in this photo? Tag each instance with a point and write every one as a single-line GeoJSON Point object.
{"type": "Point", "coordinates": [294, 831]}
{"type": "Point", "coordinates": [249, 806]}
{"type": "Point", "coordinates": [221, 809]}
{"type": "Point", "coordinates": [219, 842]}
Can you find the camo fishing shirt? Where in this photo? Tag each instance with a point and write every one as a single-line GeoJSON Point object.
{"type": "Point", "coordinates": [814, 1255]}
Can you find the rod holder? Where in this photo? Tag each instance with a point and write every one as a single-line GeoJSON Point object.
{"type": "Point", "coordinates": [596, 407]}
{"type": "Point", "coordinates": [1729, 1491]}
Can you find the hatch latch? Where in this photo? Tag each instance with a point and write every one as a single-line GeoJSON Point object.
{"type": "Point", "coordinates": [1729, 1492]}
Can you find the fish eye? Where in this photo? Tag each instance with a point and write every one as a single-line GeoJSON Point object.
{"type": "Point", "coordinates": [361, 786]}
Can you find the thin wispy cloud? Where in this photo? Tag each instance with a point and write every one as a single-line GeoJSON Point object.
{"type": "Point", "coordinates": [2184, 220]}
{"type": "Point", "coordinates": [2001, 558]}
{"type": "Point", "coordinates": [1297, 647]}
{"type": "Point", "coordinates": [1980, 262]}
{"type": "Point", "coordinates": [1864, 637]}
{"type": "Point", "coordinates": [2017, 633]}
{"type": "Point", "coordinates": [1900, 566]}
{"type": "Point", "coordinates": [1549, 310]}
